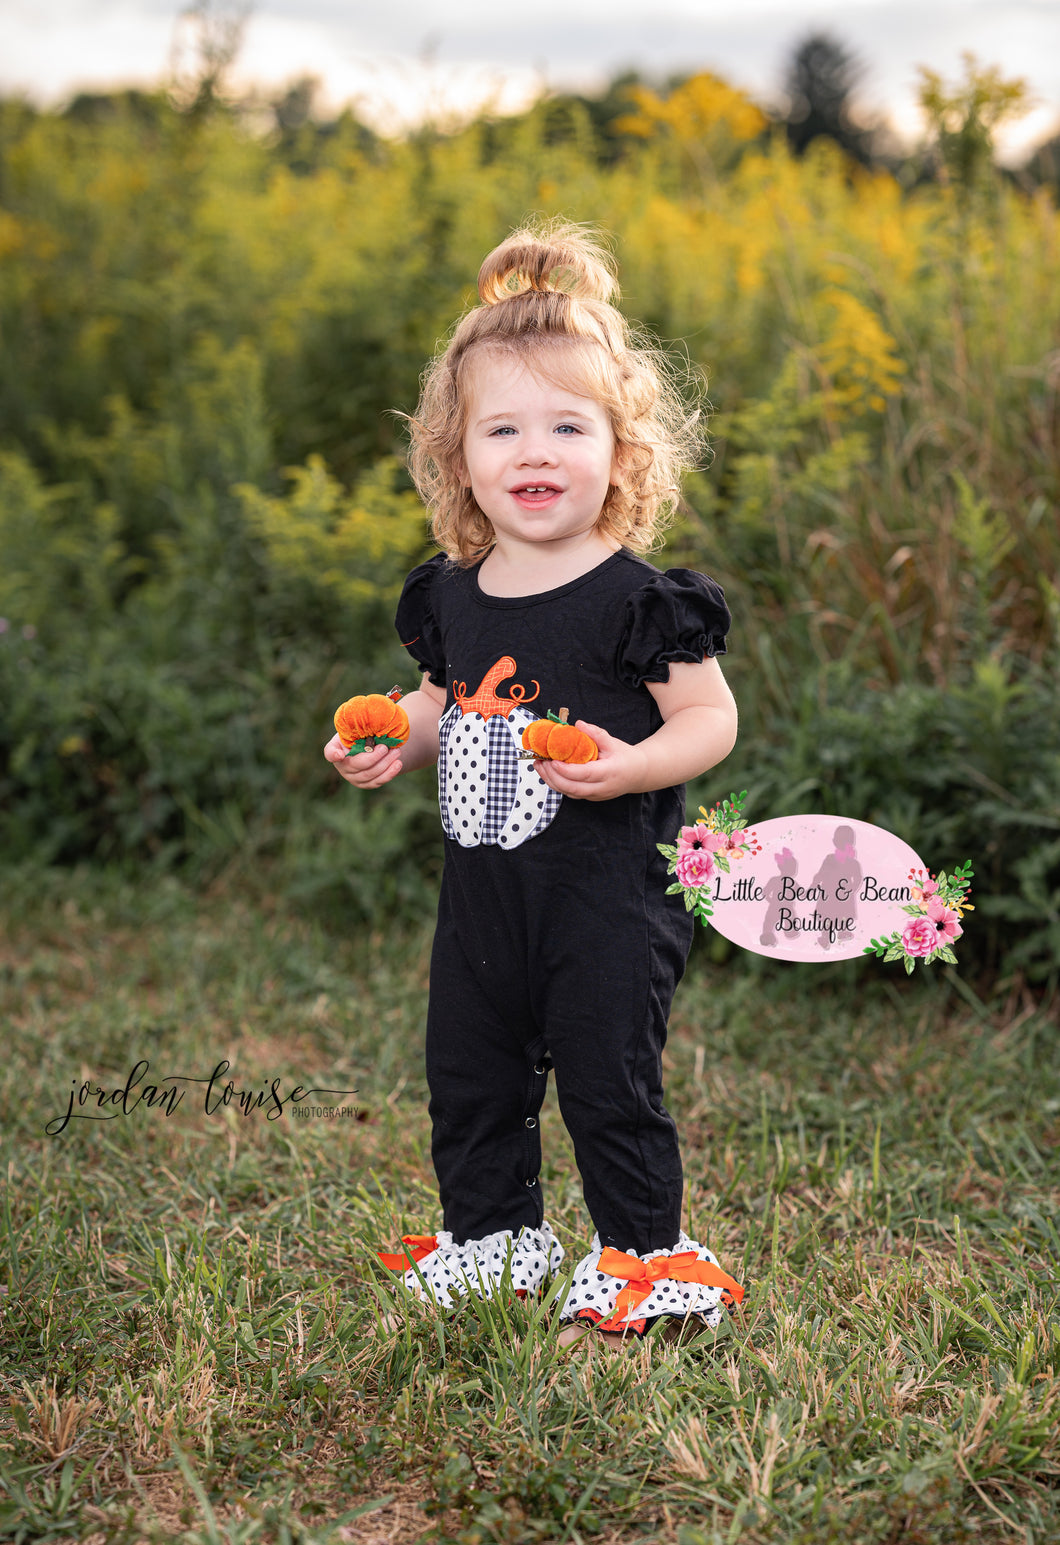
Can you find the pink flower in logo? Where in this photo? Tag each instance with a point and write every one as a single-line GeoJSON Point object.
{"type": "Point", "coordinates": [694, 838]}
{"type": "Point", "coordinates": [919, 937]}
{"type": "Point", "coordinates": [733, 842]}
{"type": "Point", "coordinates": [700, 838]}
{"type": "Point", "coordinates": [695, 867]}
{"type": "Point", "coordinates": [944, 921]}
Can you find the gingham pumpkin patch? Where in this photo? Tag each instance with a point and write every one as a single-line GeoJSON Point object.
{"type": "Point", "coordinates": [485, 792]}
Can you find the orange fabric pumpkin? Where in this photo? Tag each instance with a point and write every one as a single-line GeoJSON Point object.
{"type": "Point", "coordinates": [554, 740]}
{"type": "Point", "coordinates": [373, 720]}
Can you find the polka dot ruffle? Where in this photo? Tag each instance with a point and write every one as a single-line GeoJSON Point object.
{"type": "Point", "coordinates": [452, 1271]}
{"type": "Point", "coordinates": [596, 1291]}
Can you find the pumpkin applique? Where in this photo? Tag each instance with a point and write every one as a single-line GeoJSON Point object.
{"type": "Point", "coordinates": [554, 739]}
{"type": "Point", "coordinates": [376, 719]}
{"type": "Point", "coordinates": [486, 793]}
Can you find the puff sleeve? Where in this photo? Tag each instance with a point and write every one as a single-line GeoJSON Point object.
{"type": "Point", "coordinates": [415, 621]}
{"type": "Point", "coordinates": [676, 616]}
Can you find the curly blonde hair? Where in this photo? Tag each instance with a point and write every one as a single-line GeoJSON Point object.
{"type": "Point", "coordinates": [546, 298]}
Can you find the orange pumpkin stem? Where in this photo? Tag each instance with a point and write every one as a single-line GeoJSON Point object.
{"type": "Point", "coordinates": [485, 699]}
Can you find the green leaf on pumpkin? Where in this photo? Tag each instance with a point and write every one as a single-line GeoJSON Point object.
{"type": "Point", "coordinates": [369, 742]}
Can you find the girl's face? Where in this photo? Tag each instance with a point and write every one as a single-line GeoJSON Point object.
{"type": "Point", "coordinates": [538, 458]}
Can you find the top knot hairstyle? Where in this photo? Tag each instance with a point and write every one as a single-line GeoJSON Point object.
{"type": "Point", "coordinates": [561, 261]}
{"type": "Point", "coordinates": [547, 302]}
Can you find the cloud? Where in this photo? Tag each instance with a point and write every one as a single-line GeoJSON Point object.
{"type": "Point", "coordinates": [55, 47]}
{"type": "Point", "coordinates": [396, 63]}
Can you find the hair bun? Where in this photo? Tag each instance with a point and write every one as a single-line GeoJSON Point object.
{"type": "Point", "coordinates": [559, 259]}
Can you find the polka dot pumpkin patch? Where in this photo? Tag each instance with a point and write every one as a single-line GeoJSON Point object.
{"type": "Point", "coordinates": [486, 793]}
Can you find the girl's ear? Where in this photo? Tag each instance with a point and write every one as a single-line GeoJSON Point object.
{"type": "Point", "coordinates": [460, 468]}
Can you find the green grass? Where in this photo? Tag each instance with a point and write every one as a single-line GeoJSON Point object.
{"type": "Point", "coordinates": [198, 1344]}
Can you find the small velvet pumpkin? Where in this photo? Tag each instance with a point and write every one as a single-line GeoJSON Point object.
{"type": "Point", "coordinates": [376, 719]}
{"type": "Point", "coordinates": [554, 740]}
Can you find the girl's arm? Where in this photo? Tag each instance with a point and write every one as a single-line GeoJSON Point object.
{"type": "Point", "coordinates": [371, 769]}
{"type": "Point", "coordinates": [699, 730]}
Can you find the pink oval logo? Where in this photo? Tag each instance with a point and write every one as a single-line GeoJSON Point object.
{"type": "Point", "coordinates": [819, 887]}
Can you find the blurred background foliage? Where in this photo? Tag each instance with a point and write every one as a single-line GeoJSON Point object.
{"type": "Point", "coordinates": [207, 316]}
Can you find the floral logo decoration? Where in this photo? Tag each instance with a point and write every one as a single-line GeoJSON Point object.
{"type": "Point", "coordinates": [714, 843]}
{"type": "Point", "coordinates": [939, 902]}
{"type": "Point", "coordinates": [934, 904]}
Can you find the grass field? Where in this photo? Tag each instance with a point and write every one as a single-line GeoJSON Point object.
{"type": "Point", "coordinates": [198, 1345]}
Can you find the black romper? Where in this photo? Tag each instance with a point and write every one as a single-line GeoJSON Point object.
{"type": "Point", "coordinates": [556, 945]}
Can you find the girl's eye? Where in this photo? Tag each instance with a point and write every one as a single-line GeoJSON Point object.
{"type": "Point", "coordinates": [503, 429]}
{"type": "Point", "coordinates": [564, 429]}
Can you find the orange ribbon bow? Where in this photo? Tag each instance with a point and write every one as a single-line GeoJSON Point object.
{"type": "Point", "coordinates": [643, 1275]}
{"type": "Point", "coordinates": [421, 1245]}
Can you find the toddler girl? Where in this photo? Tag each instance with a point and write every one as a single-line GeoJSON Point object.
{"type": "Point", "coordinates": [547, 446]}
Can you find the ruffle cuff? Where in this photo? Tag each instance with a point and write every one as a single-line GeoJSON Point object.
{"type": "Point", "coordinates": [619, 1291]}
{"type": "Point", "coordinates": [445, 1272]}
{"type": "Point", "coordinates": [679, 616]}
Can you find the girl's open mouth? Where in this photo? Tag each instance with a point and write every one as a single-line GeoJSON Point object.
{"type": "Point", "coordinates": [535, 493]}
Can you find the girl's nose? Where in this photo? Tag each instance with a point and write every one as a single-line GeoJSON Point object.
{"type": "Point", "coordinates": [538, 453]}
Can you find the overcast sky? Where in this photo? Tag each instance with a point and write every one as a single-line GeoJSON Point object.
{"type": "Point", "coordinates": [392, 59]}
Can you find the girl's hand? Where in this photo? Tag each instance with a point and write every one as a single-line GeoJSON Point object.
{"type": "Point", "coordinates": [619, 769]}
{"type": "Point", "coordinates": [368, 769]}
{"type": "Point", "coordinates": [382, 764]}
